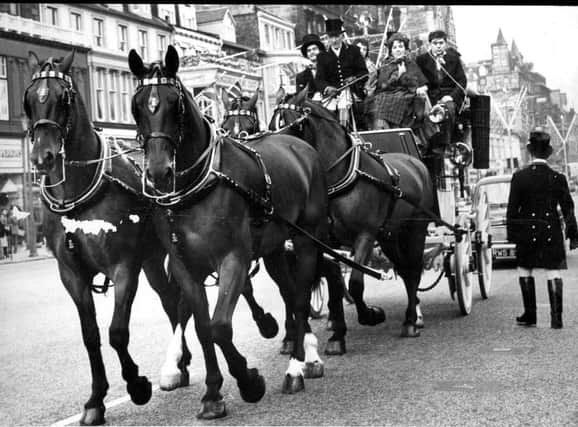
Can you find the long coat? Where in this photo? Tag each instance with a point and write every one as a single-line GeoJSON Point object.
{"type": "Point", "coordinates": [533, 222]}
{"type": "Point", "coordinates": [395, 94]}
{"type": "Point", "coordinates": [438, 83]}
{"type": "Point", "coordinates": [333, 70]}
{"type": "Point", "coordinates": [306, 77]}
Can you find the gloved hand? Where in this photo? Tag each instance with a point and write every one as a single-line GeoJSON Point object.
{"type": "Point", "coordinates": [330, 90]}
{"type": "Point", "coordinates": [573, 244]}
{"type": "Point", "coordinates": [446, 99]}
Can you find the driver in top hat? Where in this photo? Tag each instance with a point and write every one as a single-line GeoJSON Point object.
{"type": "Point", "coordinates": [311, 47]}
{"type": "Point", "coordinates": [339, 65]}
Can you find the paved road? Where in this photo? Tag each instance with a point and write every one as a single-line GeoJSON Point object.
{"type": "Point", "coordinates": [476, 370]}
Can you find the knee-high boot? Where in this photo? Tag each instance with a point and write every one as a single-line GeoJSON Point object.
{"type": "Point", "coordinates": [555, 294]}
{"type": "Point", "coordinates": [528, 288]}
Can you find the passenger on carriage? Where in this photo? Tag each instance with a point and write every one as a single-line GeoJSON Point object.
{"type": "Point", "coordinates": [399, 81]}
{"type": "Point", "coordinates": [341, 64]}
{"type": "Point", "coordinates": [310, 49]}
{"type": "Point", "coordinates": [446, 81]}
{"type": "Point", "coordinates": [363, 109]}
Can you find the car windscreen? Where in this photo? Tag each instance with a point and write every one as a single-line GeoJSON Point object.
{"type": "Point", "coordinates": [497, 193]}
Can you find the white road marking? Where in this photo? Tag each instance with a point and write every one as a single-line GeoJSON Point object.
{"type": "Point", "coordinates": [75, 418]}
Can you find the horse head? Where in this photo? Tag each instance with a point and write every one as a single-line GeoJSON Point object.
{"type": "Point", "coordinates": [161, 107]}
{"type": "Point", "coordinates": [49, 106]}
{"type": "Point", "coordinates": [241, 116]}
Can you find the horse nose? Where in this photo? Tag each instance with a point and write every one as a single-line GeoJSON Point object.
{"type": "Point", "coordinates": [43, 160]}
{"type": "Point", "coordinates": [161, 178]}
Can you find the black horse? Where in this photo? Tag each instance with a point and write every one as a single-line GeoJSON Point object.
{"type": "Point", "coordinates": [96, 221]}
{"type": "Point", "coordinates": [365, 205]}
{"type": "Point", "coordinates": [222, 204]}
{"type": "Point", "coordinates": [241, 122]}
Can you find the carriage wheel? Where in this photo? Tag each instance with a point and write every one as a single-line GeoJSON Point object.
{"type": "Point", "coordinates": [483, 247]}
{"type": "Point", "coordinates": [461, 267]}
{"type": "Point", "coordinates": [318, 295]}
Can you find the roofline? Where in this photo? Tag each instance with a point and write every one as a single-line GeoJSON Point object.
{"type": "Point", "coordinates": [40, 41]}
{"type": "Point", "coordinates": [154, 21]}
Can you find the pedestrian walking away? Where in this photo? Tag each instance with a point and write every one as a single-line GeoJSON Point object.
{"type": "Point", "coordinates": [534, 225]}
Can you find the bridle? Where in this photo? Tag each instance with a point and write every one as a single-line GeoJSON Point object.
{"type": "Point", "coordinates": [68, 98]}
{"type": "Point", "coordinates": [304, 112]}
{"type": "Point", "coordinates": [236, 115]}
{"type": "Point", "coordinates": [174, 140]}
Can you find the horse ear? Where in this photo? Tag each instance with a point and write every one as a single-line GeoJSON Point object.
{"type": "Point", "coordinates": [172, 60]}
{"type": "Point", "coordinates": [225, 99]}
{"type": "Point", "coordinates": [33, 62]}
{"type": "Point", "coordinates": [135, 63]}
{"type": "Point", "coordinates": [67, 62]}
{"type": "Point", "coordinates": [253, 100]}
{"type": "Point", "coordinates": [280, 95]}
{"type": "Point", "coordinates": [302, 95]}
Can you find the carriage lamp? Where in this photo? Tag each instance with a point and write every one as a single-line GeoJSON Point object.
{"type": "Point", "coordinates": [460, 154]}
{"type": "Point", "coordinates": [438, 113]}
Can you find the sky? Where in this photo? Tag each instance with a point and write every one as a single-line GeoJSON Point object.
{"type": "Point", "coordinates": [545, 35]}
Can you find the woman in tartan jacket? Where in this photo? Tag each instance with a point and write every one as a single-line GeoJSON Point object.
{"type": "Point", "coordinates": [396, 102]}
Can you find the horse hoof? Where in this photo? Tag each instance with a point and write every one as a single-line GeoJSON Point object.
{"type": "Point", "coordinates": [292, 385]}
{"type": "Point", "coordinates": [268, 326]}
{"type": "Point", "coordinates": [254, 389]}
{"type": "Point", "coordinates": [313, 369]}
{"type": "Point", "coordinates": [419, 323]}
{"type": "Point", "coordinates": [330, 325]}
{"type": "Point", "coordinates": [335, 348]}
{"type": "Point", "coordinates": [140, 390]}
{"type": "Point", "coordinates": [409, 331]}
{"type": "Point", "coordinates": [212, 410]}
{"type": "Point", "coordinates": [174, 380]}
{"type": "Point", "coordinates": [287, 347]}
{"type": "Point", "coordinates": [373, 316]}
{"type": "Point", "coordinates": [92, 416]}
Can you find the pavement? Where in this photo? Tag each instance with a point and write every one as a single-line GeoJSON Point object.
{"type": "Point", "coordinates": [23, 255]}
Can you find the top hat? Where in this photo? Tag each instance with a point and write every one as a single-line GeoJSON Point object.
{"type": "Point", "coordinates": [333, 27]}
{"type": "Point", "coordinates": [310, 39]}
{"type": "Point", "coordinates": [539, 142]}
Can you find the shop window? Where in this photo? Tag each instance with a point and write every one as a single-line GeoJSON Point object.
{"type": "Point", "coordinates": [100, 95]}
{"type": "Point", "coordinates": [113, 96]}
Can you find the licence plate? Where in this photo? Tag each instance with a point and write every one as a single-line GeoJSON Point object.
{"type": "Point", "coordinates": [504, 253]}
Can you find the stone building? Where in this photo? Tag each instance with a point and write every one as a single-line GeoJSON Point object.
{"type": "Point", "coordinates": [521, 100]}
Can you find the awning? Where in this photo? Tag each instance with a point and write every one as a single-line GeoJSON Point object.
{"type": "Point", "coordinates": [9, 187]}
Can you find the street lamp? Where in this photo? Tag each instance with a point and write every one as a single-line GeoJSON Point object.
{"type": "Point", "coordinates": [27, 190]}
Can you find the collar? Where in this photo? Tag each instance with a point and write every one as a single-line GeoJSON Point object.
{"type": "Point", "coordinates": [539, 161]}
{"type": "Point", "coordinates": [337, 51]}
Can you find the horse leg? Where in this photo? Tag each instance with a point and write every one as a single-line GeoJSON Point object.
{"type": "Point", "coordinates": [305, 360]}
{"type": "Point", "coordinates": [332, 272]}
{"type": "Point", "coordinates": [174, 372]}
{"type": "Point", "coordinates": [267, 324]}
{"type": "Point", "coordinates": [195, 297]}
{"type": "Point", "coordinates": [232, 277]}
{"type": "Point", "coordinates": [126, 282]}
{"type": "Point", "coordinates": [366, 315]}
{"type": "Point", "coordinates": [77, 285]}
{"type": "Point", "coordinates": [408, 259]}
{"type": "Point", "coordinates": [278, 265]}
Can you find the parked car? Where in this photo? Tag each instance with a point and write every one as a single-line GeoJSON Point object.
{"type": "Point", "coordinates": [497, 189]}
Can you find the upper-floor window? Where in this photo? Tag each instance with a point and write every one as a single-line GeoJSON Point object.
{"type": "Point", "coordinates": [267, 35]}
{"type": "Point", "coordinates": [98, 31]}
{"type": "Point", "coordinates": [167, 13]}
{"type": "Point", "coordinates": [122, 38]}
{"type": "Point", "coordinates": [76, 21]}
{"type": "Point", "coordinates": [25, 10]}
{"type": "Point", "coordinates": [100, 101]}
{"type": "Point", "coordinates": [51, 15]}
{"type": "Point", "coordinates": [162, 44]}
{"type": "Point", "coordinates": [4, 108]}
{"type": "Point", "coordinates": [11, 8]}
{"type": "Point", "coordinates": [113, 96]}
{"type": "Point", "coordinates": [125, 97]}
{"type": "Point", "coordinates": [143, 44]}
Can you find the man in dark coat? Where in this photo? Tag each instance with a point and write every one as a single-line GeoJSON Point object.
{"type": "Point", "coordinates": [533, 224]}
{"type": "Point", "coordinates": [341, 64]}
{"type": "Point", "coordinates": [310, 49]}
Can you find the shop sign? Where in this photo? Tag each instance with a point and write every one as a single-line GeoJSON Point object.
{"type": "Point", "coordinates": [11, 156]}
